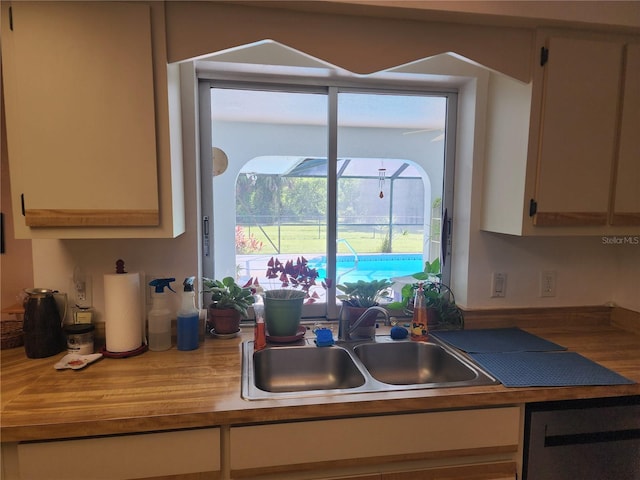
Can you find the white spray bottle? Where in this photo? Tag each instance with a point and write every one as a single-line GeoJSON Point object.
{"type": "Point", "coordinates": [160, 315]}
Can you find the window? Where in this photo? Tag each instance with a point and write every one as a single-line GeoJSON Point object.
{"type": "Point", "coordinates": [353, 179]}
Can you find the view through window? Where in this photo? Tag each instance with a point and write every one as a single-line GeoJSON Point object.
{"type": "Point", "coordinates": [351, 181]}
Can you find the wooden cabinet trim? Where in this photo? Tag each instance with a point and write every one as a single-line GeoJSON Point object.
{"type": "Point", "coordinates": [559, 219]}
{"type": "Point", "coordinates": [626, 219]}
{"type": "Point", "coordinates": [377, 460]}
{"type": "Point", "coordinates": [91, 218]}
{"type": "Point", "coordinates": [489, 471]}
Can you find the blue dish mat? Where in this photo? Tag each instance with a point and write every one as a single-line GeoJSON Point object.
{"type": "Point", "coordinates": [496, 340]}
{"type": "Point", "coordinates": [551, 369]}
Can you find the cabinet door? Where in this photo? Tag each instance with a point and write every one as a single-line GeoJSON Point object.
{"type": "Point", "coordinates": [322, 445]}
{"type": "Point", "coordinates": [577, 131]}
{"type": "Point", "coordinates": [626, 200]}
{"type": "Point", "coordinates": [78, 80]}
{"type": "Point", "coordinates": [183, 453]}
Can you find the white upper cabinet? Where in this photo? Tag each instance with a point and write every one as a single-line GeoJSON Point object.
{"type": "Point", "coordinates": [87, 94]}
{"type": "Point", "coordinates": [626, 201]}
{"type": "Point", "coordinates": [577, 131]}
{"type": "Point", "coordinates": [578, 173]}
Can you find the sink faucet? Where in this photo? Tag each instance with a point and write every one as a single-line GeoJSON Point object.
{"type": "Point", "coordinates": [345, 330]}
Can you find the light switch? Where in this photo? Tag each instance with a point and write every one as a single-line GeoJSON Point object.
{"type": "Point", "coordinates": [498, 284]}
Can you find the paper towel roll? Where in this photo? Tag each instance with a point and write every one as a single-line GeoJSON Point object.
{"type": "Point", "coordinates": [122, 312]}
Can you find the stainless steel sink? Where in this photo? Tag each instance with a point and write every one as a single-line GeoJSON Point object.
{"type": "Point", "coordinates": [410, 363]}
{"type": "Point", "coordinates": [355, 367]}
{"type": "Point", "coordinates": [300, 369]}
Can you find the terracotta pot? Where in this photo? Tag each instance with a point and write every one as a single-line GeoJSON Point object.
{"type": "Point", "coordinates": [433, 317]}
{"type": "Point", "coordinates": [224, 320]}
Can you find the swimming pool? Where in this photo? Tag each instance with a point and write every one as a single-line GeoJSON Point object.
{"type": "Point", "coordinates": [370, 266]}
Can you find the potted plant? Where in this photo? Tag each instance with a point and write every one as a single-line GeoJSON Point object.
{"type": "Point", "coordinates": [442, 311]}
{"type": "Point", "coordinates": [363, 294]}
{"type": "Point", "coordinates": [358, 296]}
{"type": "Point", "coordinates": [229, 304]}
{"type": "Point", "coordinates": [283, 306]}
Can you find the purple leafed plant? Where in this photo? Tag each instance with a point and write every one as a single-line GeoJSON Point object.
{"type": "Point", "coordinates": [293, 276]}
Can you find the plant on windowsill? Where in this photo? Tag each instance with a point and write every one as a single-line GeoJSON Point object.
{"type": "Point", "coordinates": [363, 294]}
{"type": "Point", "coordinates": [296, 278]}
{"type": "Point", "coordinates": [229, 304]}
{"type": "Point", "coordinates": [358, 296]}
{"type": "Point", "coordinates": [283, 306]}
{"type": "Point", "coordinates": [442, 311]}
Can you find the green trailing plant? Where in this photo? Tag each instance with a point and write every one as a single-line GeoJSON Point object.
{"type": "Point", "coordinates": [439, 298]}
{"type": "Point", "coordinates": [363, 294]}
{"type": "Point", "coordinates": [227, 294]}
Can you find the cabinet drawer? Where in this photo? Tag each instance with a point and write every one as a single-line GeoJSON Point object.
{"type": "Point", "coordinates": [442, 433]}
{"type": "Point", "coordinates": [123, 457]}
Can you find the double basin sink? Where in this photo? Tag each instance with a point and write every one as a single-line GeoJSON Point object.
{"type": "Point", "coordinates": [378, 365]}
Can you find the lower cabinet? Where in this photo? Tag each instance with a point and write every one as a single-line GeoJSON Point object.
{"type": "Point", "coordinates": [185, 454]}
{"type": "Point", "coordinates": [479, 444]}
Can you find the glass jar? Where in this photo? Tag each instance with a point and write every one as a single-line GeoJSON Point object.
{"type": "Point", "coordinates": [79, 338]}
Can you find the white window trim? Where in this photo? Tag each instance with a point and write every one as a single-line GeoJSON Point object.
{"type": "Point", "coordinates": [226, 76]}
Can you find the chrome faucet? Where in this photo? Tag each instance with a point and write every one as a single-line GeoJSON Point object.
{"type": "Point", "coordinates": [345, 330]}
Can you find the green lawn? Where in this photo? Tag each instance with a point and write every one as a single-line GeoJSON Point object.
{"type": "Point", "coordinates": [312, 239]}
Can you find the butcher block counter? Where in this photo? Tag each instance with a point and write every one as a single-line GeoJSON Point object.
{"type": "Point", "coordinates": [159, 391]}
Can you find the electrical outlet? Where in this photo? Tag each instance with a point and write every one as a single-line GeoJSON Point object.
{"type": "Point", "coordinates": [81, 291]}
{"type": "Point", "coordinates": [548, 283]}
{"type": "Point", "coordinates": [498, 284]}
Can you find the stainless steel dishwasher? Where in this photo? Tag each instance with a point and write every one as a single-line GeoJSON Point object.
{"type": "Point", "coordinates": [585, 439]}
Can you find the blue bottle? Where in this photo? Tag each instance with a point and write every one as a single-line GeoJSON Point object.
{"type": "Point", "coordinates": [188, 318]}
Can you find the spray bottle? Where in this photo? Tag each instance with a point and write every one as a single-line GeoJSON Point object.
{"type": "Point", "coordinates": [419, 330]}
{"type": "Point", "coordinates": [160, 315]}
{"type": "Point", "coordinates": [188, 318]}
{"type": "Point", "coordinates": [260, 335]}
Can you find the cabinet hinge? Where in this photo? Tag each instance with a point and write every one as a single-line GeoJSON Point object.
{"type": "Point", "coordinates": [533, 207]}
{"type": "Point", "coordinates": [11, 18]}
{"type": "Point", "coordinates": [22, 204]}
{"type": "Point", "coordinates": [544, 56]}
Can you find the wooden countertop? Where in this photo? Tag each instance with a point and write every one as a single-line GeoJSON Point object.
{"type": "Point", "coordinates": [173, 389]}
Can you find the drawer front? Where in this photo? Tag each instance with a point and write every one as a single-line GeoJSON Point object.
{"type": "Point", "coordinates": [443, 433]}
{"type": "Point", "coordinates": [122, 457]}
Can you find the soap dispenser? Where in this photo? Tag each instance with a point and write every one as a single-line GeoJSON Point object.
{"type": "Point", "coordinates": [159, 317]}
{"type": "Point", "coordinates": [188, 318]}
{"type": "Point", "coordinates": [419, 320]}
{"type": "Point", "coordinates": [260, 335]}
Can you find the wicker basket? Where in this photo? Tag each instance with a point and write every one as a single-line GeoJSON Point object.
{"type": "Point", "coordinates": [12, 336]}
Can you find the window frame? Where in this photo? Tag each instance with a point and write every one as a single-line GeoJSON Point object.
{"type": "Point", "coordinates": [332, 87]}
